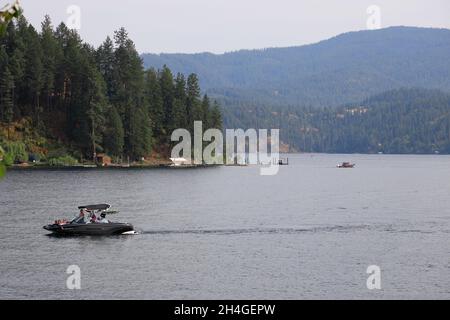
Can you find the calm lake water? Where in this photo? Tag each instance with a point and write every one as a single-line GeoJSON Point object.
{"type": "Point", "coordinates": [226, 232]}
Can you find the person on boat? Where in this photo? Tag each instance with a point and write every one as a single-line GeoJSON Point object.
{"type": "Point", "coordinates": [80, 218]}
{"type": "Point", "coordinates": [103, 219]}
{"type": "Point", "coordinates": [93, 218]}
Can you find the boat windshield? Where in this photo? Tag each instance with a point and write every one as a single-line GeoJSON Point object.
{"type": "Point", "coordinates": [78, 219]}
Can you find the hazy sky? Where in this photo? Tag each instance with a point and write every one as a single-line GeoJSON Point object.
{"type": "Point", "coordinates": [226, 25]}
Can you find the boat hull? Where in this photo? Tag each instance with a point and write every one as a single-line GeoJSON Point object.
{"type": "Point", "coordinates": [90, 229]}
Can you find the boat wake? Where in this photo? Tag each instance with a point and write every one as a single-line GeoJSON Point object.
{"type": "Point", "coordinates": [336, 228]}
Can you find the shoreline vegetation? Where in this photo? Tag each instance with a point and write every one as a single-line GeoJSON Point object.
{"type": "Point", "coordinates": [162, 163]}
{"type": "Point", "coordinates": [111, 167]}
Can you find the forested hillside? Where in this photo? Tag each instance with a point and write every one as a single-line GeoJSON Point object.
{"type": "Point", "coordinates": [302, 90]}
{"type": "Point", "coordinates": [349, 67]}
{"type": "Point", "coordinates": [62, 98]}
{"type": "Point", "coordinates": [398, 121]}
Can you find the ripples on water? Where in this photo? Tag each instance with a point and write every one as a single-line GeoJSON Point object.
{"type": "Point", "coordinates": [309, 232]}
{"type": "Point", "coordinates": [348, 228]}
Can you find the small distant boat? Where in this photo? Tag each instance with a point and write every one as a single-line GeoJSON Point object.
{"type": "Point", "coordinates": [346, 165]}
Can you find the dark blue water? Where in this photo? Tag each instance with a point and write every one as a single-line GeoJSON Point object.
{"type": "Point", "coordinates": [226, 232]}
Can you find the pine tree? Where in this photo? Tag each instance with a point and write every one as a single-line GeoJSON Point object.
{"type": "Point", "coordinates": [216, 117]}
{"type": "Point", "coordinates": [168, 94]}
{"type": "Point", "coordinates": [155, 102]}
{"type": "Point", "coordinates": [6, 99]}
{"type": "Point", "coordinates": [105, 61]}
{"type": "Point", "coordinates": [179, 114]}
{"type": "Point", "coordinates": [140, 137]}
{"type": "Point", "coordinates": [3, 65]}
{"type": "Point", "coordinates": [113, 138]}
{"type": "Point", "coordinates": [75, 88]}
{"type": "Point", "coordinates": [128, 92]}
{"type": "Point", "coordinates": [51, 49]}
{"type": "Point", "coordinates": [128, 71]}
{"type": "Point", "coordinates": [193, 105]}
{"type": "Point", "coordinates": [34, 74]}
{"type": "Point", "coordinates": [193, 87]}
{"type": "Point", "coordinates": [180, 88]}
{"type": "Point", "coordinates": [15, 51]}
{"type": "Point", "coordinates": [96, 106]}
{"type": "Point", "coordinates": [206, 111]}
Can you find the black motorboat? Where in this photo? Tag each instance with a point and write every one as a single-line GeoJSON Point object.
{"type": "Point", "coordinates": [346, 165]}
{"type": "Point", "coordinates": [90, 222]}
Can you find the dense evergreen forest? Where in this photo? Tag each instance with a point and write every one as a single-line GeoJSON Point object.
{"type": "Point", "coordinates": [398, 121]}
{"type": "Point", "coordinates": [63, 99]}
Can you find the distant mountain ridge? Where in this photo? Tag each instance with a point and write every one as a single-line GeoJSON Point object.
{"type": "Point", "coordinates": [349, 67]}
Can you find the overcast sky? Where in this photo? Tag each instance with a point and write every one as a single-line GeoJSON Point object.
{"type": "Point", "coordinates": [226, 25]}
